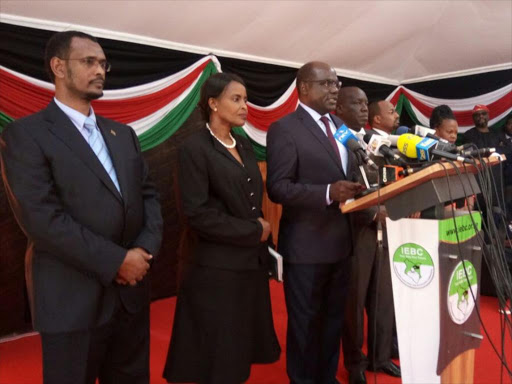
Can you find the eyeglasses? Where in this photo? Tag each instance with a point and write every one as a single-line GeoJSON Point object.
{"type": "Point", "coordinates": [326, 83]}
{"type": "Point", "coordinates": [91, 62]}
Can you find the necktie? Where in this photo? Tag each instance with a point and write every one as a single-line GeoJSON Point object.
{"type": "Point", "coordinates": [330, 136]}
{"type": "Point", "coordinates": [100, 149]}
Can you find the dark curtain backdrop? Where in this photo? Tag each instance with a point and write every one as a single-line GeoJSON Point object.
{"type": "Point", "coordinates": [22, 50]}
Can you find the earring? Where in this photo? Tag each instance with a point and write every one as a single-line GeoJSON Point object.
{"type": "Point", "coordinates": [215, 109]}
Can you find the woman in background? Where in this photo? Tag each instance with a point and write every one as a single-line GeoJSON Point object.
{"type": "Point", "coordinates": [444, 122]}
{"type": "Point", "coordinates": [223, 321]}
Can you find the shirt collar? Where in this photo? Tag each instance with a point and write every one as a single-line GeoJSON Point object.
{"type": "Point", "coordinates": [314, 114]}
{"type": "Point", "coordinates": [77, 118]}
{"type": "Point", "coordinates": [381, 132]}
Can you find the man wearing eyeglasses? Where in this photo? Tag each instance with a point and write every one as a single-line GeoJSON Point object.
{"type": "Point", "coordinates": [310, 174]}
{"type": "Point", "coordinates": [79, 188]}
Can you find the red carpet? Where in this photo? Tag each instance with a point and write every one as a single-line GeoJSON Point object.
{"type": "Point", "coordinates": [20, 360]}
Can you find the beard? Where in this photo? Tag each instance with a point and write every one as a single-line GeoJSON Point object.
{"type": "Point", "coordinates": [90, 96]}
{"type": "Point", "coordinates": [481, 123]}
{"type": "Point", "coordinates": [85, 95]}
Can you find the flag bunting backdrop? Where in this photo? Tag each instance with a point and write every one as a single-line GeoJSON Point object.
{"type": "Point", "coordinates": [156, 110]}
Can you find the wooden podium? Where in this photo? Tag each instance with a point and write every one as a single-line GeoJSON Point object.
{"type": "Point", "coordinates": [423, 307]}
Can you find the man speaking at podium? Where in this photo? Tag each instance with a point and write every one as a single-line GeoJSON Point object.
{"type": "Point", "coordinates": [310, 174]}
{"type": "Point", "coordinates": [370, 279]}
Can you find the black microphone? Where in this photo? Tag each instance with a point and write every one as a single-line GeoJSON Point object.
{"type": "Point", "coordinates": [379, 146]}
{"type": "Point", "coordinates": [347, 138]}
{"type": "Point", "coordinates": [484, 152]}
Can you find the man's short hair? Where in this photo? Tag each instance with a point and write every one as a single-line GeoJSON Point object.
{"type": "Point", "coordinates": [58, 46]}
{"type": "Point", "coordinates": [373, 111]}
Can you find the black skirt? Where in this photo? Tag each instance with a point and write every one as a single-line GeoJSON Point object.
{"type": "Point", "coordinates": [222, 324]}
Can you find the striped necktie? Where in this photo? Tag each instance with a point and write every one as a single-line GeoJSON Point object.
{"type": "Point", "coordinates": [100, 149]}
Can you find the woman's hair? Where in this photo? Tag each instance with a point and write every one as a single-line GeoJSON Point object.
{"type": "Point", "coordinates": [440, 113]}
{"type": "Point", "coordinates": [213, 87]}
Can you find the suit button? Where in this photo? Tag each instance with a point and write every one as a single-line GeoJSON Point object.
{"type": "Point", "coordinates": [248, 179]}
{"type": "Point", "coordinates": [252, 194]}
{"type": "Point", "coordinates": [253, 208]}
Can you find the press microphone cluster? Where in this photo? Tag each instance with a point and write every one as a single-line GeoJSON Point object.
{"type": "Point", "coordinates": [381, 146]}
{"type": "Point", "coordinates": [350, 141]}
{"type": "Point", "coordinates": [444, 145]}
{"type": "Point", "coordinates": [424, 149]}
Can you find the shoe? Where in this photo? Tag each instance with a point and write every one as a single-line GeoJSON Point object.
{"type": "Point", "coordinates": [356, 377]}
{"type": "Point", "coordinates": [388, 368]}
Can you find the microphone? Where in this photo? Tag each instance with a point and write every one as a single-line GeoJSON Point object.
{"type": "Point", "coordinates": [390, 173]}
{"type": "Point", "coordinates": [424, 149]}
{"type": "Point", "coordinates": [402, 130]}
{"type": "Point", "coordinates": [347, 138]}
{"type": "Point", "coordinates": [430, 133]}
{"type": "Point", "coordinates": [419, 130]}
{"type": "Point", "coordinates": [380, 146]}
{"type": "Point", "coordinates": [484, 152]}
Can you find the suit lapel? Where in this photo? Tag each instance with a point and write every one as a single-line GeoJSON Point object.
{"type": "Point", "coordinates": [64, 129]}
{"type": "Point", "coordinates": [223, 150]}
{"type": "Point", "coordinates": [315, 130]}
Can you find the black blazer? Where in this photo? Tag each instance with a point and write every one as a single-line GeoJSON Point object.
{"type": "Point", "coordinates": [222, 201]}
{"type": "Point", "coordinates": [300, 164]}
{"type": "Point", "coordinates": [77, 224]}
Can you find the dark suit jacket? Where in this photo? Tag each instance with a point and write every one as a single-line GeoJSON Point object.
{"type": "Point", "coordinates": [222, 202]}
{"type": "Point", "coordinates": [77, 224]}
{"type": "Point", "coordinates": [300, 164]}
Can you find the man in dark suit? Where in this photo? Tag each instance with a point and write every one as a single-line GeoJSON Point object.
{"type": "Point", "coordinates": [370, 284]}
{"type": "Point", "coordinates": [310, 174]}
{"type": "Point", "coordinates": [79, 189]}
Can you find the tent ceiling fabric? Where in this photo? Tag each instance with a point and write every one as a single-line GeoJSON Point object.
{"type": "Point", "coordinates": [393, 42]}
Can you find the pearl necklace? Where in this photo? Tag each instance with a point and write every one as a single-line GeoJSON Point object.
{"type": "Point", "coordinates": [230, 146]}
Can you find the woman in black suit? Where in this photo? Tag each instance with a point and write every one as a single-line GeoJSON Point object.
{"type": "Point", "coordinates": [223, 321]}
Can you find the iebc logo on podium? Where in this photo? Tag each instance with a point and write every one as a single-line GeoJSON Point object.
{"type": "Point", "coordinates": [413, 265]}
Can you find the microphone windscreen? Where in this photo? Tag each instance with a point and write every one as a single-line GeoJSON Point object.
{"type": "Point", "coordinates": [407, 143]}
{"type": "Point", "coordinates": [402, 130]}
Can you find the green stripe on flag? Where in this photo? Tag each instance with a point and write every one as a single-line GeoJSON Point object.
{"type": "Point", "coordinates": [166, 127]}
{"type": "Point", "coordinates": [4, 120]}
{"type": "Point", "coordinates": [259, 150]}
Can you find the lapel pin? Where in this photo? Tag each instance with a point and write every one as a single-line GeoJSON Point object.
{"type": "Point", "coordinates": [113, 132]}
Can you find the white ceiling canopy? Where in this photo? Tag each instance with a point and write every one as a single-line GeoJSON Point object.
{"type": "Point", "coordinates": [394, 42]}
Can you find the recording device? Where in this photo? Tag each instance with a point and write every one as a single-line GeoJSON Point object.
{"type": "Point", "coordinates": [421, 131]}
{"type": "Point", "coordinates": [444, 145]}
{"type": "Point", "coordinates": [425, 149]}
{"type": "Point", "coordinates": [381, 146]}
{"type": "Point", "coordinates": [347, 138]}
{"type": "Point", "coordinates": [390, 173]}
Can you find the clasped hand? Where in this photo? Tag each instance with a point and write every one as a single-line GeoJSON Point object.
{"type": "Point", "coordinates": [134, 267]}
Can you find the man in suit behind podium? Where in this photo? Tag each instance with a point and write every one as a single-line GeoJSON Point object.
{"type": "Point", "coordinates": [309, 173]}
{"type": "Point", "coordinates": [79, 189]}
{"type": "Point", "coordinates": [370, 284]}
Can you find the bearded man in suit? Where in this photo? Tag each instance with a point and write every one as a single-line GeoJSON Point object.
{"type": "Point", "coordinates": [79, 189]}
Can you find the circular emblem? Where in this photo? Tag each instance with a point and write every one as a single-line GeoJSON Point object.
{"type": "Point", "coordinates": [413, 265]}
{"type": "Point", "coordinates": [463, 286]}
